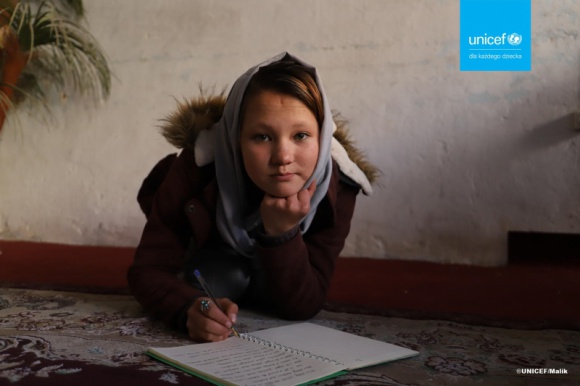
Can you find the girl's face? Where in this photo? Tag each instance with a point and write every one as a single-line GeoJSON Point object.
{"type": "Point", "coordinates": [279, 142]}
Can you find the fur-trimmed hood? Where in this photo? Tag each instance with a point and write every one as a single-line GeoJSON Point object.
{"type": "Point", "coordinates": [191, 126]}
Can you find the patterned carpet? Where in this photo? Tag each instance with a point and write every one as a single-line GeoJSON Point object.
{"type": "Point", "coordinates": [67, 338]}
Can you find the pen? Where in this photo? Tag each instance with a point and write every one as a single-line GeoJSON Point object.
{"type": "Point", "coordinates": [208, 292]}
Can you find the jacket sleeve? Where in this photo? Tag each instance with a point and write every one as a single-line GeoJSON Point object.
{"type": "Point", "coordinates": [298, 271]}
{"type": "Point", "coordinates": [159, 258]}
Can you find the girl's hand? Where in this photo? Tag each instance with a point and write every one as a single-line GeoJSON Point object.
{"type": "Point", "coordinates": [280, 214]}
{"type": "Point", "coordinates": [211, 325]}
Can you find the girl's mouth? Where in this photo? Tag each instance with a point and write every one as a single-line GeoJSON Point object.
{"type": "Point", "coordinates": [283, 176]}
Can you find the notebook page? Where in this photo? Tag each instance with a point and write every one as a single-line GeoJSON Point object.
{"type": "Point", "coordinates": [244, 363]}
{"type": "Point", "coordinates": [351, 350]}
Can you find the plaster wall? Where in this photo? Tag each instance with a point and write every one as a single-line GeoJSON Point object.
{"type": "Point", "coordinates": [465, 156]}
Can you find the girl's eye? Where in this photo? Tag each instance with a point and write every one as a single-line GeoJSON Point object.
{"type": "Point", "coordinates": [261, 137]}
{"type": "Point", "coordinates": [302, 136]}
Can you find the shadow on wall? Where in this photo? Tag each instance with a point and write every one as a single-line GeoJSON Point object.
{"type": "Point", "coordinates": [551, 133]}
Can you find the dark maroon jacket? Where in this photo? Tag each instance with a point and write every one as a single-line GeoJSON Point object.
{"type": "Point", "coordinates": [179, 200]}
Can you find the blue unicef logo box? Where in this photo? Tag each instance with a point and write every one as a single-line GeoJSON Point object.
{"type": "Point", "coordinates": [495, 35]}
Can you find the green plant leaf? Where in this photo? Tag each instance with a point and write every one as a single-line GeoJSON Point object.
{"type": "Point", "coordinates": [62, 54]}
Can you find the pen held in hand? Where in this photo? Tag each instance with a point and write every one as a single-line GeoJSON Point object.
{"type": "Point", "coordinates": [209, 293]}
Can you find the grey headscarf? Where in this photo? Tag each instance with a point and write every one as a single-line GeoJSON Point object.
{"type": "Point", "coordinates": [230, 171]}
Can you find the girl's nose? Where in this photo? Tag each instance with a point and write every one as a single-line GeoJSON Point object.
{"type": "Point", "coordinates": [282, 154]}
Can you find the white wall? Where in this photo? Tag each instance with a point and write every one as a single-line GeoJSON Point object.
{"type": "Point", "coordinates": [465, 156]}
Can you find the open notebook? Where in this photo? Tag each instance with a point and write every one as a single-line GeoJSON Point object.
{"type": "Point", "coordinates": [289, 355]}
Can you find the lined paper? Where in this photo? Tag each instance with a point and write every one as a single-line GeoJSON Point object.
{"type": "Point", "coordinates": [245, 363]}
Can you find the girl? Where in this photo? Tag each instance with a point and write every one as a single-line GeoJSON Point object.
{"type": "Point", "coordinates": [260, 200]}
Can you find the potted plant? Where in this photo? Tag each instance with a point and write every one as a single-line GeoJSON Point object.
{"type": "Point", "coordinates": [42, 46]}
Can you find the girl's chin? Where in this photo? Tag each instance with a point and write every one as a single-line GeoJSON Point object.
{"type": "Point", "coordinates": [281, 193]}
